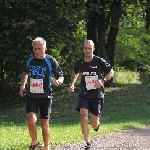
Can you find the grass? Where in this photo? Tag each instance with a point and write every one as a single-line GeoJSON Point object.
{"type": "Point", "coordinates": [126, 107]}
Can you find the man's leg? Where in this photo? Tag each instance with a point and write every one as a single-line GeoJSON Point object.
{"type": "Point", "coordinates": [45, 131]}
{"type": "Point", "coordinates": [31, 119]}
{"type": "Point", "coordinates": [45, 111]}
{"type": "Point", "coordinates": [84, 124]}
{"type": "Point", "coordinates": [95, 123]}
{"type": "Point", "coordinates": [96, 109]}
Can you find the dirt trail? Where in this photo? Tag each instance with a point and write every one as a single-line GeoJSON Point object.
{"type": "Point", "coordinates": [134, 139]}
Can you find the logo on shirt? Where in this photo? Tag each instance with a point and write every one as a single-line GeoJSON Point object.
{"type": "Point", "coordinates": [37, 72]}
{"type": "Point", "coordinates": [93, 66]}
{"type": "Point", "coordinates": [89, 73]}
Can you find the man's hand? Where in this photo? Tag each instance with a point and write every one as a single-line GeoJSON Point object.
{"type": "Point", "coordinates": [55, 82]}
{"type": "Point", "coordinates": [99, 83]}
{"type": "Point", "coordinates": [70, 89]}
{"type": "Point", "coordinates": [22, 91]}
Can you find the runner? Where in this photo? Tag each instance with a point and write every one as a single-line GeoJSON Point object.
{"type": "Point", "coordinates": [91, 95]}
{"type": "Point", "coordinates": [37, 73]}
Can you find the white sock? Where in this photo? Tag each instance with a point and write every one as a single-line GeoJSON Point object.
{"type": "Point", "coordinates": [35, 142]}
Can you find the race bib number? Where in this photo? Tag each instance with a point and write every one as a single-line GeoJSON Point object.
{"type": "Point", "coordinates": [90, 82]}
{"type": "Point", "coordinates": [36, 85]}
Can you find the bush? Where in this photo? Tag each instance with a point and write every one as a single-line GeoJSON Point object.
{"type": "Point", "coordinates": [126, 77]}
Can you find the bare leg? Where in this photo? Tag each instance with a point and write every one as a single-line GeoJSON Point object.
{"type": "Point", "coordinates": [84, 124]}
{"type": "Point", "coordinates": [31, 119]}
{"type": "Point", "coordinates": [45, 131]}
{"type": "Point", "coordinates": [94, 121]}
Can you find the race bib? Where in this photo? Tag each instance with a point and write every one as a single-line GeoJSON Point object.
{"type": "Point", "coordinates": [36, 85]}
{"type": "Point", "coordinates": [90, 82]}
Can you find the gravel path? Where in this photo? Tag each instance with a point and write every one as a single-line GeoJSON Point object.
{"type": "Point", "coordinates": [135, 139]}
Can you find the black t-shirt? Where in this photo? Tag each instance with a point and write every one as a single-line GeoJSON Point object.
{"type": "Point", "coordinates": [39, 73]}
{"type": "Point", "coordinates": [90, 71]}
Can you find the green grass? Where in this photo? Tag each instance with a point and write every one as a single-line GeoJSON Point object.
{"type": "Point", "coordinates": [126, 107]}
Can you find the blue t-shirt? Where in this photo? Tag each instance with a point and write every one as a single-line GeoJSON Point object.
{"type": "Point", "coordinates": [41, 70]}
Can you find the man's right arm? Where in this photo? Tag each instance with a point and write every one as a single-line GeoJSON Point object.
{"type": "Point", "coordinates": [74, 78]}
{"type": "Point", "coordinates": [24, 78]}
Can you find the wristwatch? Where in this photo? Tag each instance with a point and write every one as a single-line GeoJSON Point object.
{"type": "Point", "coordinates": [59, 82]}
{"type": "Point", "coordinates": [104, 79]}
{"type": "Point", "coordinates": [22, 87]}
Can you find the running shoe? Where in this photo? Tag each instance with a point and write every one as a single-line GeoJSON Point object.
{"type": "Point", "coordinates": [46, 148]}
{"type": "Point", "coordinates": [88, 147]}
{"type": "Point", "coordinates": [34, 146]}
{"type": "Point", "coordinates": [97, 128]}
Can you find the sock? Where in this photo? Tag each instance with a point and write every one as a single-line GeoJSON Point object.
{"type": "Point", "coordinates": [97, 128]}
{"type": "Point", "coordinates": [35, 142]}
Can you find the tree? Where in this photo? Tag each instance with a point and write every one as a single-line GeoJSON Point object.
{"type": "Point", "coordinates": [132, 46]}
{"type": "Point", "coordinates": [23, 20]}
{"type": "Point", "coordinates": [103, 25]}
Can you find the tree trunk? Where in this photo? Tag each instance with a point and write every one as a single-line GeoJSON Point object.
{"type": "Point", "coordinates": [148, 15]}
{"type": "Point", "coordinates": [1, 73]}
{"type": "Point", "coordinates": [98, 22]}
{"type": "Point", "coordinates": [102, 31]}
{"type": "Point", "coordinates": [92, 28]}
{"type": "Point", "coordinates": [114, 27]}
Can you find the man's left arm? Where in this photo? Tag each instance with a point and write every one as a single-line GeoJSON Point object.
{"type": "Point", "coordinates": [58, 73]}
{"type": "Point", "coordinates": [108, 69]}
{"type": "Point", "coordinates": [109, 75]}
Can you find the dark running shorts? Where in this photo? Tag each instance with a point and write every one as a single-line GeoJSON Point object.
{"type": "Point", "coordinates": [39, 104]}
{"type": "Point", "coordinates": [94, 105]}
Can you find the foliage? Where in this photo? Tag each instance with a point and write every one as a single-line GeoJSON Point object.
{"type": "Point", "coordinates": [123, 76]}
{"type": "Point", "coordinates": [132, 46]}
{"type": "Point", "coordinates": [22, 21]}
{"type": "Point", "coordinates": [126, 77]}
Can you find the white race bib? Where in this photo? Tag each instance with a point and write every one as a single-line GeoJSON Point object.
{"type": "Point", "coordinates": [90, 82]}
{"type": "Point", "coordinates": [36, 85]}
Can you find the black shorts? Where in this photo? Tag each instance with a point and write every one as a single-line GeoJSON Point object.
{"type": "Point", "coordinates": [94, 105]}
{"type": "Point", "coordinates": [41, 104]}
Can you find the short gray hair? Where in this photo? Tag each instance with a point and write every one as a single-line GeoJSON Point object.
{"type": "Point", "coordinates": [40, 40]}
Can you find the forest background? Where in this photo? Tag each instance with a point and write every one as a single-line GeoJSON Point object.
{"type": "Point", "coordinates": [119, 29]}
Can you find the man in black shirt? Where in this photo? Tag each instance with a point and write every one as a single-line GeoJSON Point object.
{"type": "Point", "coordinates": [36, 84]}
{"type": "Point", "coordinates": [91, 95]}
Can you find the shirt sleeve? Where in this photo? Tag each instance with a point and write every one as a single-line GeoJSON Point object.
{"type": "Point", "coordinates": [106, 66]}
{"type": "Point", "coordinates": [57, 71]}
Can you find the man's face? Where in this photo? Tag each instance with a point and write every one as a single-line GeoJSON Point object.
{"type": "Point", "coordinates": [88, 50]}
{"type": "Point", "coordinates": [39, 50]}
